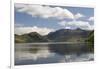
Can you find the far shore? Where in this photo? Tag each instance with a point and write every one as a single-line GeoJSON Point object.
{"type": "Point", "coordinates": [54, 43]}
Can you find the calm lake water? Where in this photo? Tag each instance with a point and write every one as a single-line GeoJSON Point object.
{"type": "Point", "coordinates": [43, 53]}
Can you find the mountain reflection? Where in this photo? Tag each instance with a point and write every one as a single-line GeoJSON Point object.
{"type": "Point", "coordinates": [51, 53]}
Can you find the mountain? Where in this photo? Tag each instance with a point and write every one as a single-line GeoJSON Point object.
{"type": "Point", "coordinates": [30, 37]}
{"type": "Point", "coordinates": [91, 37]}
{"type": "Point", "coordinates": [62, 35]}
{"type": "Point", "coordinates": [90, 40]}
{"type": "Point", "coordinates": [68, 35]}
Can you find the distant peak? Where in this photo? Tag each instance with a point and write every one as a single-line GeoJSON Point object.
{"type": "Point", "coordinates": [78, 29]}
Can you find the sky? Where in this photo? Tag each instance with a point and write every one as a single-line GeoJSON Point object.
{"type": "Point", "coordinates": [44, 19]}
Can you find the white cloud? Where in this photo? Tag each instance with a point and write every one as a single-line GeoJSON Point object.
{"type": "Point", "coordinates": [77, 24]}
{"type": "Point", "coordinates": [41, 31]}
{"type": "Point", "coordinates": [44, 11]}
{"type": "Point", "coordinates": [62, 23]}
{"type": "Point", "coordinates": [47, 12]}
{"type": "Point", "coordinates": [68, 28]}
{"type": "Point", "coordinates": [18, 25]}
{"type": "Point", "coordinates": [91, 19]}
{"type": "Point", "coordinates": [79, 15]}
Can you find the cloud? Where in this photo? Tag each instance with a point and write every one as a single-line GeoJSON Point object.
{"type": "Point", "coordinates": [79, 15]}
{"type": "Point", "coordinates": [62, 23]}
{"type": "Point", "coordinates": [77, 24]}
{"type": "Point", "coordinates": [48, 12]}
{"type": "Point", "coordinates": [41, 31]}
{"type": "Point", "coordinates": [44, 11]}
{"type": "Point", "coordinates": [91, 19]}
{"type": "Point", "coordinates": [18, 25]}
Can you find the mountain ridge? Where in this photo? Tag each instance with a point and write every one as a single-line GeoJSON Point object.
{"type": "Point", "coordinates": [60, 35]}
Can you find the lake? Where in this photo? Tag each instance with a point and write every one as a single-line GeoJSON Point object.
{"type": "Point", "coordinates": [43, 53]}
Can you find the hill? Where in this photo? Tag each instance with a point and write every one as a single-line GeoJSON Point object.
{"type": "Point", "coordinates": [62, 35]}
